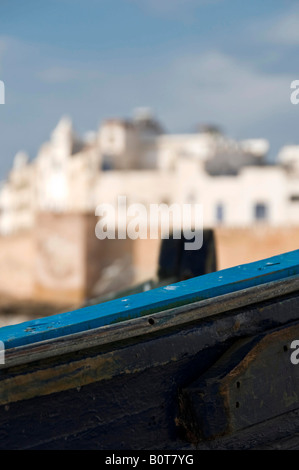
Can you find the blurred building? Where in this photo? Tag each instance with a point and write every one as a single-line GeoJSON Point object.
{"type": "Point", "coordinates": [137, 159]}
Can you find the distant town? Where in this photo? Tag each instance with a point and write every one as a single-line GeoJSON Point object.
{"type": "Point", "coordinates": [233, 180]}
{"type": "Point", "coordinates": [49, 248]}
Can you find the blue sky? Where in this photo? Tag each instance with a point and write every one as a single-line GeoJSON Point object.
{"type": "Point", "coordinates": [226, 62]}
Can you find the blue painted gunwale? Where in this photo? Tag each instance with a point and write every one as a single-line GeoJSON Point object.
{"type": "Point", "coordinates": [192, 290]}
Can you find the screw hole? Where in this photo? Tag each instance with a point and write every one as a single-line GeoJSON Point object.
{"type": "Point", "coordinates": [237, 404]}
{"type": "Point", "coordinates": [285, 348]}
{"type": "Point", "coordinates": [151, 321]}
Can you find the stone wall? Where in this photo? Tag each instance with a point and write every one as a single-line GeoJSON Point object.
{"type": "Point", "coordinates": [63, 261]}
{"type": "Point", "coordinates": [239, 246]}
{"type": "Point", "coordinates": [17, 256]}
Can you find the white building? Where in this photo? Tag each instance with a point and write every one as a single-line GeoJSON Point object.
{"type": "Point", "coordinates": [137, 159]}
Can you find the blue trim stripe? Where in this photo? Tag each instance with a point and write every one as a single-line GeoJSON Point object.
{"type": "Point", "coordinates": [133, 306]}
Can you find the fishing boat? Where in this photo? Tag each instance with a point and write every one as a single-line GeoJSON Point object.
{"type": "Point", "coordinates": [202, 363]}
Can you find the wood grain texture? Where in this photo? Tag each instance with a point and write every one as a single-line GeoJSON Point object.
{"type": "Point", "coordinates": [148, 325]}
{"type": "Point", "coordinates": [69, 371]}
{"type": "Point", "coordinates": [254, 381]}
{"type": "Point", "coordinates": [102, 414]}
{"type": "Point", "coordinates": [118, 386]}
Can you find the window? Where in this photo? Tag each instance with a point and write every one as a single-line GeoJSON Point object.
{"type": "Point", "coordinates": [219, 210]}
{"type": "Point", "coordinates": [260, 211]}
{"type": "Point", "coordinates": [107, 163]}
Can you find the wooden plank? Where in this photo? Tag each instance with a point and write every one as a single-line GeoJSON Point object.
{"type": "Point", "coordinates": [138, 305]}
{"type": "Point", "coordinates": [204, 340]}
{"type": "Point", "coordinates": [84, 401]}
{"type": "Point", "coordinates": [155, 323]}
{"type": "Point", "coordinates": [254, 381]}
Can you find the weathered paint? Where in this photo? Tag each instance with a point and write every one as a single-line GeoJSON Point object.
{"type": "Point", "coordinates": [85, 402]}
{"type": "Point", "coordinates": [81, 397]}
{"type": "Point", "coordinates": [161, 351]}
{"type": "Point", "coordinates": [163, 298]}
{"type": "Point", "coordinates": [254, 381]}
{"type": "Point", "coordinates": [157, 323]}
